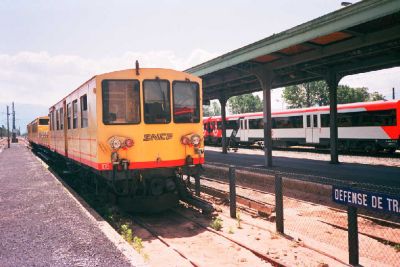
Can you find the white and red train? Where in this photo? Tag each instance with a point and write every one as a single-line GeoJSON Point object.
{"type": "Point", "coordinates": [369, 126]}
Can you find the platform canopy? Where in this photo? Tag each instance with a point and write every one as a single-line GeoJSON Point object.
{"type": "Point", "coordinates": [361, 37]}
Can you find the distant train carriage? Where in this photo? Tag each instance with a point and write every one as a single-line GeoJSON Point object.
{"type": "Point", "coordinates": [38, 132]}
{"type": "Point", "coordinates": [139, 129]}
{"type": "Point", "coordinates": [212, 128]}
{"type": "Point", "coordinates": [370, 126]}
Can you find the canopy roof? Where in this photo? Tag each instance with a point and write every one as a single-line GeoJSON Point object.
{"type": "Point", "coordinates": [359, 38]}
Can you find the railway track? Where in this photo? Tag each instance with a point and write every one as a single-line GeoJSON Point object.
{"type": "Point", "coordinates": [163, 228]}
{"type": "Point", "coordinates": [260, 207]}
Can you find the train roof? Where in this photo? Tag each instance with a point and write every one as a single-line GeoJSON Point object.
{"type": "Point", "coordinates": [37, 118]}
{"type": "Point", "coordinates": [133, 71]}
{"type": "Point", "coordinates": [374, 105]}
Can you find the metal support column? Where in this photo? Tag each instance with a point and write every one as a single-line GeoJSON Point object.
{"type": "Point", "coordinates": [222, 101]}
{"type": "Point", "coordinates": [14, 130]}
{"type": "Point", "coordinates": [265, 78]}
{"type": "Point", "coordinates": [232, 191]}
{"type": "Point", "coordinates": [352, 235]}
{"type": "Point", "coordinates": [332, 81]}
{"type": "Point", "coordinates": [279, 204]}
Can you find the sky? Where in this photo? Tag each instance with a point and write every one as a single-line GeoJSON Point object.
{"type": "Point", "coordinates": [48, 48]}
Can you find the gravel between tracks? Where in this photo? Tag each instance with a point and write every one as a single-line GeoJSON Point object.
{"type": "Point", "coordinates": [41, 224]}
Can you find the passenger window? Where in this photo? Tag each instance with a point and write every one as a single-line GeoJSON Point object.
{"type": "Point", "coordinates": [43, 122]}
{"type": "Point", "coordinates": [61, 118]}
{"type": "Point", "coordinates": [157, 107]}
{"type": "Point", "coordinates": [84, 113]}
{"type": "Point", "coordinates": [308, 121]}
{"type": "Point", "coordinates": [325, 120]}
{"type": "Point", "coordinates": [315, 121]}
{"type": "Point", "coordinates": [51, 121]}
{"type": "Point", "coordinates": [186, 102]}
{"type": "Point", "coordinates": [58, 120]}
{"type": "Point", "coordinates": [121, 102]}
{"type": "Point", "coordinates": [69, 117]}
{"type": "Point", "coordinates": [75, 114]}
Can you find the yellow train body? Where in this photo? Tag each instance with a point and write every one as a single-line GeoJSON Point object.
{"type": "Point", "coordinates": [38, 131]}
{"type": "Point", "coordinates": [81, 131]}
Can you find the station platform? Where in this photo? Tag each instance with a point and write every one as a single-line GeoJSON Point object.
{"type": "Point", "coordinates": [373, 174]}
{"type": "Point", "coordinates": [43, 224]}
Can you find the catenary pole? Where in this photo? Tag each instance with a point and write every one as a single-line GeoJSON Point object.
{"type": "Point", "coordinates": [8, 128]}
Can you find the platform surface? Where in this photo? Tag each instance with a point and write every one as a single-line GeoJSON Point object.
{"type": "Point", "coordinates": [353, 172]}
{"type": "Point", "coordinates": [42, 224]}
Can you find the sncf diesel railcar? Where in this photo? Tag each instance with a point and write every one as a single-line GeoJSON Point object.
{"type": "Point", "coordinates": [370, 126]}
{"type": "Point", "coordinates": [139, 129]}
{"type": "Point", "coordinates": [38, 132]}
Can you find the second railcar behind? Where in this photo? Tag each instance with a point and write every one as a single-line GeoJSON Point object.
{"type": "Point", "coordinates": [370, 126]}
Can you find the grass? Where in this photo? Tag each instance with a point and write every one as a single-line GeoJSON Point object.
{"type": "Point", "coordinates": [127, 233]}
{"type": "Point", "coordinates": [238, 220]}
{"type": "Point", "coordinates": [138, 244]}
{"type": "Point", "coordinates": [216, 224]}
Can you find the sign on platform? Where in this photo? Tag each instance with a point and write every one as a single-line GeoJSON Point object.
{"type": "Point", "coordinates": [368, 200]}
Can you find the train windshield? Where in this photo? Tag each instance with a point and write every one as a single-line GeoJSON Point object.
{"type": "Point", "coordinates": [43, 121]}
{"type": "Point", "coordinates": [121, 102]}
{"type": "Point", "coordinates": [186, 102]}
{"type": "Point", "coordinates": [157, 109]}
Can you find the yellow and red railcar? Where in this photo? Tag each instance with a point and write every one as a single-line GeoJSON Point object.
{"type": "Point", "coordinates": [38, 132]}
{"type": "Point", "coordinates": [140, 129]}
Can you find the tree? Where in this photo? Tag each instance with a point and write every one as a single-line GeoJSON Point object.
{"type": "Point", "coordinates": [244, 103]}
{"type": "Point", "coordinates": [214, 109]}
{"type": "Point", "coordinates": [306, 95]}
{"type": "Point", "coordinates": [375, 96]}
{"type": "Point", "coordinates": [317, 94]}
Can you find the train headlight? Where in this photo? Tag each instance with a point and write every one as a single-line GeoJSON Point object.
{"type": "Point", "coordinates": [129, 142]}
{"type": "Point", "coordinates": [195, 139]}
{"type": "Point", "coordinates": [115, 143]}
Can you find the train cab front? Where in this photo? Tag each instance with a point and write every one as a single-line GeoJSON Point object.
{"type": "Point", "coordinates": [151, 139]}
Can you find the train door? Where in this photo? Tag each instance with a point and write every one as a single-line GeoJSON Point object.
{"type": "Point", "coordinates": [244, 129]}
{"type": "Point", "coordinates": [316, 128]}
{"type": "Point", "coordinates": [65, 127]}
{"type": "Point", "coordinates": [312, 128]}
